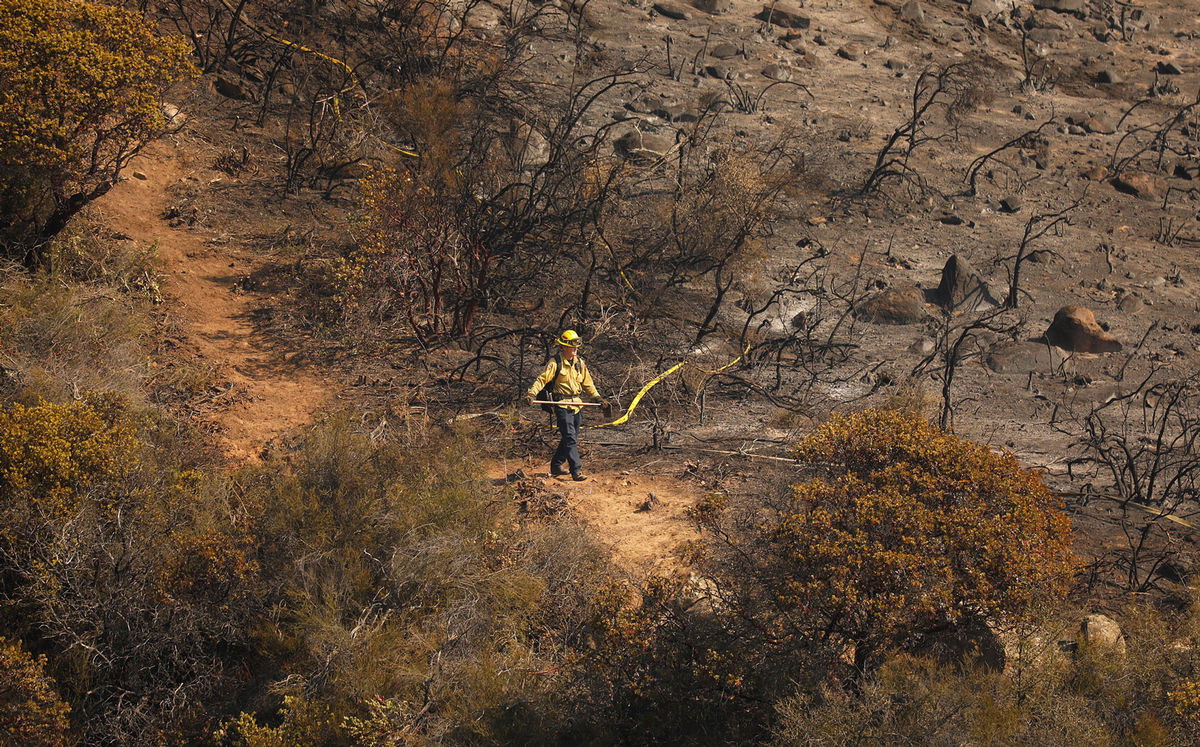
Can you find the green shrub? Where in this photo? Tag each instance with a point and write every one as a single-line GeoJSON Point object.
{"type": "Point", "coordinates": [63, 340]}
{"type": "Point", "coordinates": [397, 575]}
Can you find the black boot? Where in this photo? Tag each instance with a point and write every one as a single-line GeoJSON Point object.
{"type": "Point", "coordinates": [578, 476]}
{"type": "Point", "coordinates": [557, 471]}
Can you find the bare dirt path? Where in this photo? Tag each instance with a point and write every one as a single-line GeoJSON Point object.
{"type": "Point", "coordinates": [269, 396]}
{"type": "Point", "coordinates": [644, 538]}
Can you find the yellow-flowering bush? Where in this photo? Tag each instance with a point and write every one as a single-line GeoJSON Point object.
{"type": "Point", "coordinates": [53, 454]}
{"type": "Point", "coordinates": [30, 710]}
{"type": "Point", "coordinates": [81, 92]}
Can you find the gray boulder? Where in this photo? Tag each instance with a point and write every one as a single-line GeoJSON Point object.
{"type": "Point", "coordinates": [894, 306]}
{"type": "Point", "coordinates": [961, 285]}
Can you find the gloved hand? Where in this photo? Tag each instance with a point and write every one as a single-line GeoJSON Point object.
{"type": "Point", "coordinates": [606, 407]}
{"type": "Point", "coordinates": [529, 401]}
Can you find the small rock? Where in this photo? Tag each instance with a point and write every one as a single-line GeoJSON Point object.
{"type": "Point", "coordinates": [713, 7]}
{"type": "Point", "coordinates": [1096, 173]}
{"type": "Point", "coordinates": [778, 72]}
{"type": "Point", "coordinates": [672, 10]}
{"type": "Point", "coordinates": [1060, 6]}
{"type": "Point", "coordinates": [725, 50]}
{"type": "Point", "coordinates": [1023, 358]}
{"type": "Point", "coordinates": [912, 12]}
{"type": "Point", "coordinates": [639, 146]}
{"type": "Point", "coordinates": [1101, 631]}
{"type": "Point", "coordinates": [850, 52]}
{"type": "Point", "coordinates": [782, 15]}
{"type": "Point", "coordinates": [1109, 76]}
{"type": "Point", "coordinates": [1168, 68]}
{"type": "Point", "coordinates": [897, 65]}
{"type": "Point", "coordinates": [1187, 170]}
{"type": "Point", "coordinates": [894, 306]}
{"type": "Point", "coordinates": [229, 89]}
{"type": "Point", "coordinates": [1074, 328]}
{"type": "Point", "coordinates": [1012, 204]}
{"type": "Point", "coordinates": [961, 285]}
{"type": "Point", "coordinates": [140, 175]}
{"type": "Point", "coordinates": [718, 70]}
{"type": "Point", "coordinates": [1140, 184]}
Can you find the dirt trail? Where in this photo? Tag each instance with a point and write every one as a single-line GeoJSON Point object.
{"type": "Point", "coordinates": [642, 541]}
{"type": "Point", "coordinates": [269, 396]}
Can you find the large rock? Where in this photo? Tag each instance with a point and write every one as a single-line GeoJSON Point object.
{"type": "Point", "coordinates": [1076, 7]}
{"type": "Point", "coordinates": [970, 643]}
{"type": "Point", "coordinates": [1074, 328]}
{"type": "Point", "coordinates": [713, 7]}
{"type": "Point", "coordinates": [1143, 185]}
{"type": "Point", "coordinates": [783, 15]}
{"type": "Point", "coordinates": [1023, 358]}
{"type": "Point", "coordinates": [1101, 631]}
{"type": "Point", "coordinates": [642, 146]}
{"type": "Point", "coordinates": [961, 285]}
{"type": "Point", "coordinates": [894, 306]}
{"type": "Point", "coordinates": [913, 12]}
{"type": "Point", "coordinates": [672, 10]}
{"type": "Point", "coordinates": [985, 8]}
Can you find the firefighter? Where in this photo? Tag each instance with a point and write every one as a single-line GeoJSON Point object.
{"type": "Point", "coordinates": [564, 379]}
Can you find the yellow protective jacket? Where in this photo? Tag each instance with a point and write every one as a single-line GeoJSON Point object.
{"type": "Point", "coordinates": [573, 379]}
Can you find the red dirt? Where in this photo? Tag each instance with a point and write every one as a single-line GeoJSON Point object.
{"type": "Point", "coordinates": [646, 541]}
{"type": "Point", "coordinates": [201, 282]}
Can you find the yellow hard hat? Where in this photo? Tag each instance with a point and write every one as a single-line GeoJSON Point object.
{"type": "Point", "coordinates": [570, 339]}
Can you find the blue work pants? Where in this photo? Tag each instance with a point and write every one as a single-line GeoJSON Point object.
{"type": "Point", "coordinates": [568, 441]}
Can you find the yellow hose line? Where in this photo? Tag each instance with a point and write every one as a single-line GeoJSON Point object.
{"type": "Point", "coordinates": [354, 82]}
{"type": "Point", "coordinates": [1161, 514]}
{"type": "Point", "coordinates": [280, 40]}
{"type": "Point", "coordinates": [637, 398]}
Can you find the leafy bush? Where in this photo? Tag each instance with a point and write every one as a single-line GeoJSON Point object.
{"type": "Point", "coordinates": [397, 577]}
{"type": "Point", "coordinates": [119, 568]}
{"type": "Point", "coordinates": [917, 701]}
{"type": "Point", "coordinates": [1093, 695]}
{"type": "Point", "coordinates": [30, 710]}
{"type": "Point", "coordinates": [900, 530]}
{"type": "Point", "coordinates": [81, 93]}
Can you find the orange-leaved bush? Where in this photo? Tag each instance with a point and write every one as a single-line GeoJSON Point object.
{"type": "Point", "coordinates": [81, 85]}
{"type": "Point", "coordinates": [900, 530]}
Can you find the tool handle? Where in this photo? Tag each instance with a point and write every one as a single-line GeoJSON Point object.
{"type": "Point", "coordinates": [568, 404]}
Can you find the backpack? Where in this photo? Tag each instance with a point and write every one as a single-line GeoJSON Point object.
{"type": "Point", "coordinates": [547, 393]}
